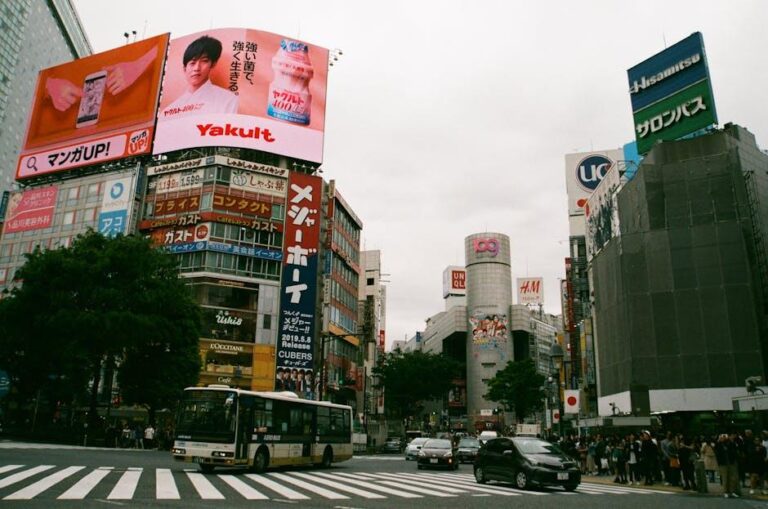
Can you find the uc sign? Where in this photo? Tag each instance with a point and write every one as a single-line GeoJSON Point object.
{"type": "Point", "coordinates": [591, 171]}
{"type": "Point", "coordinates": [486, 245]}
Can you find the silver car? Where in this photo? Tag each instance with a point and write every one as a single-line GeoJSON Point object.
{"type": "Point", "coordinates": [413, 448]}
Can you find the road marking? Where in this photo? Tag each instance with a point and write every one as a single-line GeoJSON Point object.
{"type": "Point", "coordinates": [126, 486]}
{"type": "Point", "coordinates": [40, 486]}
{"type": "Point", "coordinates": [204, 487]}
{"type": "Point", "coordinates": [322, 480]}
{"type": "Point", "coordinates": [442, 481]}
{"type": "Point", "coordinates": [20, 476]}
{"type": "Point", "coordinates": [246, 491]}
{"type": "Point", "coordinates": [372, 486]}
{"type": "Point", "coordinates": [311, 487]}
{"type": "Point", "coordinates": [165, 486]}
{"type": "Point", "coordinates": [8, 468]}
{"type": "Point", "coordinates": [277, 488]}
{"type": "Point", "coordinates": [626, 489]}
{"type": "Point", "coordinates": [84, 486]}
{"type": "Point", "coordinates": [390, 478]}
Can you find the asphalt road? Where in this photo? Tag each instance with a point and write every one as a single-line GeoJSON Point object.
{"type": "Point", "coordinates": [47, 476]}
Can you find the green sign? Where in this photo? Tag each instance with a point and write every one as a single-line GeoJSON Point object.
{"type": "Point", "coordinates": [687, 111]}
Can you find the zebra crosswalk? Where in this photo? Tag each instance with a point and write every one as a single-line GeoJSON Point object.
{"type": "Point", "coordinates": [77, 482]}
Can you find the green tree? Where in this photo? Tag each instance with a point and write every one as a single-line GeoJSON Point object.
{"type": "Point", "coordinates": [410, 378]}
{"type": "Point", "coordinates": [518, 387]}
{"type": "Point", "coordinates": [100, 303]}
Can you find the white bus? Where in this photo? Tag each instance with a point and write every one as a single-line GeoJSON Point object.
{"type": "Point", "coordinates": [219, 426]}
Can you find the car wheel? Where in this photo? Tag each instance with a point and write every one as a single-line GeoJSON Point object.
{"type": "Point", "coordinates": [521, 480]}
{"type": "Point", "coordinates": [571, 487]}
{"type": "Point", "coordinates": [206, 468]}
{"type": "Point", "coordinates": [480, 475]}
{"type": "Point", "coordinates": [420, 467]}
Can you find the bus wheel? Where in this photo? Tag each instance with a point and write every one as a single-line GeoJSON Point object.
{"type": "Point", "coordinates": [327, 457]}
{"type": "Point", "coordinates": [260, 461]}
{"type": "Point", "coordinates": [206, 468]}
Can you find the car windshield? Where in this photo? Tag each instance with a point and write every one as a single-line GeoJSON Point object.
{"type": "Point", "coordinates": [438, 444]}
{"type": "Point", "coordinates": [469, 442]}
{"type": "Point", "coordinates": [536, 446]}
{"type": "Point", "coordinates": [418, 441]}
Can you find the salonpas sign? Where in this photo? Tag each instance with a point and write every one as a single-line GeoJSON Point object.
{"type": "Point", "coordinates": [671, 93]}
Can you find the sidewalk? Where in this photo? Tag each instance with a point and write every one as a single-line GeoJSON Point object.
{"type": "Point", "coordinates": [713, 489]}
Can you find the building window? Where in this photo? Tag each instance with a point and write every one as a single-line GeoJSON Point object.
{"type": "Point", "coordinates": [69, 217]}
{"type": "Point", "coordinates": [370, 281]}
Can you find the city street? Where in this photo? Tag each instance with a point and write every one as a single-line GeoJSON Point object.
{"type": "Point", "coordinates": [43, 475]}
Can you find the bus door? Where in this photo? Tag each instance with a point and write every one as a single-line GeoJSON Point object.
{"type": "Point", "coordinates": [244, 427]}
{"type": "Point", "coordinates": [308, 435]}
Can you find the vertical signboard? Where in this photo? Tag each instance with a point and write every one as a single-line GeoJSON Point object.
{"type": "Point", "coordinates": [298, 291]}
{"type": "Point", "coordinates": [31, 210]}
{"type": "Point", "coordinates": [583, 173]}
{"type": "Point", "coordinates": [530, 290]}
{"type": "Point", "coordinates": [94, 109]}
{"type": "Point", "coordinates": [116, 207]}
{"type": "Point", "coordinates": [244, 88]}
{"type": "Point", "coordinates": [671, 93]}
{"type": "Point", "coordinates": [602, 214]}
{"type": "Point", "coordinates": [454, 281]}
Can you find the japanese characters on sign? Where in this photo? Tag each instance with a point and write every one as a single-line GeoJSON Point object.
{"type": "Point", "coordinates": [244, 100]}
{"type": "Point", "coordinates": [671, 93]}
{"type": "Point", "coordinates": [116, 206]}
{"type": "Point", "coordinates": [298, 291]}
{"type": "Point", "coordinates": [241, 204]}
{"type": "Point", "coordinates": [87, 111]}
{"type": "Point", "coordinates": [30, 210]}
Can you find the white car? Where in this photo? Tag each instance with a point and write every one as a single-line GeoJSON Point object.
{"type": "Point", "coordinates": [487, 435]}
{"type": "Point", "coordinates": [413, 448]}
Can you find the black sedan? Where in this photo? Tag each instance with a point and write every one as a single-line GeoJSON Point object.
{"type": "Point", "coordinates": [437, 452]}
{"type": "Point", "coordinates": [467, 451]}
{"type": "Point", "coordinates": [525, 462]}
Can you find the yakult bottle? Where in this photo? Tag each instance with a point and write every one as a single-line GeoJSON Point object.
{"type": "Point", "coordinates": [289, 98]}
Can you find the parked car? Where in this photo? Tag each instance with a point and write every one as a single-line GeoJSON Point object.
{"type": "Point", "coordinates": [484, 436]}
{"type": "Point", "coordinates": [525, 462]}
{"type": "Point", "coordinates": [467, 449]}
{"type": "Point", "coordinates": [392, 445]}
{"type": "Point", "coordinates": [437, 452]}
{"type": "Point", "coordinates": [413, 448]}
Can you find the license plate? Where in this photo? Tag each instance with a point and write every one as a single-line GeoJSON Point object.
{"type": "Point", "coordinates": [433, 460]}
{"type": "Point", "coordinates": [562, 476]}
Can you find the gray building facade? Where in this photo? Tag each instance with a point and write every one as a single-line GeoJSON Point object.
{"type": "Point", "coordinates": [679, 297]}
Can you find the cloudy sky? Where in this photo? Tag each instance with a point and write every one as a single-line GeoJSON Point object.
{"type": "Point", "coordinates": [448, 118]}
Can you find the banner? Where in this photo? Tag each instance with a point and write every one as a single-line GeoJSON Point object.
{"type": "Point", "coordinates": [31, 210]}
{"type": "Point", "coordinates": [244, 88]}
{"type": "Point", "coordinates": [116, 206]}
{"type": "Point", "coordinates": [94, 109]}
{"type": "Point", "coordinates": [572, 401]}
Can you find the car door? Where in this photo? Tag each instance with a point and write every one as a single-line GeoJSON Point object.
{"type": "Point", "coordinates": [509, 459]}
{"type": "Point", "coordinates": [492, 458]}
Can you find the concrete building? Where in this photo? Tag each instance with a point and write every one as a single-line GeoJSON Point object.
{"type": "Point", "coordinates": [680, 295]}
{"type": "Point", "coordinates": [33, 34]}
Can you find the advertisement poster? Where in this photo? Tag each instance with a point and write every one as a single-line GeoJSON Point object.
{"type": "Point", "coordinates": [31, 210]}
{"type": "Point", "coordinates": [94, 109]}
{"type": "Point", "coordinates": [530, 290]}
{"type": "Point", "coordinates": [244, 88]}
{"type": "Point", "coordinates": [602, 214]}
{"type": "Point", "coordinates": [489, 332]}
{"type": "Point", "coordinates": [116, 207]}
{"type": "Point", "coordinates": [298, 291]}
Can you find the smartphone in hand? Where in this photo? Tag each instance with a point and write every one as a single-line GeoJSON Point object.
{"type": "Point", "coordinates": [93, 96]}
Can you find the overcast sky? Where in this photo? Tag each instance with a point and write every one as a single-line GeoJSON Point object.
{"type": "Point", "coordinates": [448, 118]}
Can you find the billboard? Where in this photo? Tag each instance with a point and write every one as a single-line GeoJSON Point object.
{"type": "Point", "coordinates": [530, 290]}
{"type": "Point", "coordinates": [244, 88]}
{"type": "Point", "coordinates": [30, 210]}
{"type": "Point", "coordinates": [671, 93]}
{"type": "Point", "coordinates": [298, 290]}
{"type": "Point", "coordinates": [116, 206]}
{"type": "Point", "coordinates": [583, 173]}
{"type": "Point", "coordinates": [454, 281]}
{"type": "Point", "coordinates": [602, 214]}
{"type": "Point", "coordinates": [94, 109]}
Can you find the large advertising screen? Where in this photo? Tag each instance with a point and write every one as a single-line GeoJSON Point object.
{"type": "Point", "coordinates": [244, 88]}
{"type": "Point", "coordinates": [94, 109]}
{"type": "Point", "coordinates": [671, 93]}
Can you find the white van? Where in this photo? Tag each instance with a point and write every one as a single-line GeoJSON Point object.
{"type": "Point", "coordinates": [487, 435]}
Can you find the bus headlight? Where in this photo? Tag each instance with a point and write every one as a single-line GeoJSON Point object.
{"type": "Point", "coordinates": [222, 454]}
{"type": "Point", "coordinates": [176, 450]}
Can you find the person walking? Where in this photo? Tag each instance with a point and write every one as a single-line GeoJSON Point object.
{"type": "Point", "coordinates": [687, 456]}
{"type": "Point", "coordinates": [649, 452]}
{"type": "Point", "coordinates": [710, 460]}
{"type": "Point", "coordinates": [149, 436]}
{"type": "Point", "coordinates": [755, 465]}
{"type": "Point", "coordinates": [727, 459]}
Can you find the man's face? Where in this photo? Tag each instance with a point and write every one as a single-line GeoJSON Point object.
{"type": "Point", "coordinates": [197, 71]}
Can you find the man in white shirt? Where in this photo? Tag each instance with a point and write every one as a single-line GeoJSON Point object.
{"type": "Point", "coordinates": [201, 96]}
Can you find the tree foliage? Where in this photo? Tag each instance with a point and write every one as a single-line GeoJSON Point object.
{"type": "Point", "coordinates": [518, 387]}
{"type": "Point", "coordinates": [101, 302]}
{"type": "Point", "coordinates": [410, 378]}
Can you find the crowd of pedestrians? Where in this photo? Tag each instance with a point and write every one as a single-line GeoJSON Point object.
{"type": "Point", "coordinates": [128, 435]}
{"type": "Point", "coordinates": [735, 460]}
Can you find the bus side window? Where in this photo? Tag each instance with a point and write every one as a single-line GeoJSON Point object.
{"type": "Point", "coordinates": [323, 421]}
{"type": "Point", "coordinates": [307, 418]}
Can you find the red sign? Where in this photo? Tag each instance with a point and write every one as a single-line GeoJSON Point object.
{"type": "Point", "coordinates": [177, 205]}
{"type": "Point", "coordinates": [31, 210]}
{"type": "Point", "coordinates": [458, 279]}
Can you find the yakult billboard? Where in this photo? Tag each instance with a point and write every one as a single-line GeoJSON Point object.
{"type": "Point", "coordinates": [244, 88]}
{"type": "Point", "coordinates": [94, 109]}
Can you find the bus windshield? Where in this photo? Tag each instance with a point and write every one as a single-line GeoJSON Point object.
{"type": "Point", "coordinates": [207, 416]}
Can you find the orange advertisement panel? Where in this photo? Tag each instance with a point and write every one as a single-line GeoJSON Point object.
{"type": "Point", "coordinates": [240, 204]}
{"type": "Point", "coordinates": [244, 88]}
{"type": "Point", "coordinates": [31, 210]}
{"type": "Point", "coordinates": [94, 109]}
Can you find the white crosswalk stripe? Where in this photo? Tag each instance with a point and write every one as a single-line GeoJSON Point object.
{"type": "Point", "coordinates": [25, 482]}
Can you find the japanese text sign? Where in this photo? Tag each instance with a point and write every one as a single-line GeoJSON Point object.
{"type": "Point", "coordinates": [31, 210]}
